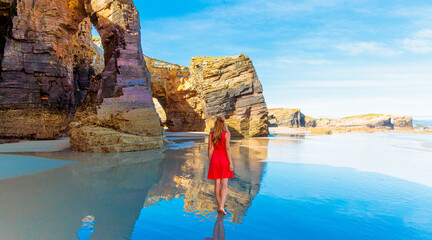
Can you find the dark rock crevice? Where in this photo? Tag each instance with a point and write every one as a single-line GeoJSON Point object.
{"type": "Point", "coordinates": [7, 12]}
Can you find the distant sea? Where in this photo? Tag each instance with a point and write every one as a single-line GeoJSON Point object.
{"type": "Point", "coordinates": [422, 122]}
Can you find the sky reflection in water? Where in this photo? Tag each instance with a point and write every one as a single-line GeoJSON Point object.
{"type": "Point", "coordinates": [165, 195]}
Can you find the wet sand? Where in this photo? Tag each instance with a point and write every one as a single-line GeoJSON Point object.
{"type": "Point", "coordinates": [349, 186]}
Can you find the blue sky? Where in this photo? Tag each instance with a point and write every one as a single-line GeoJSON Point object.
{"type": "Point", "coordinates": [330, 58]}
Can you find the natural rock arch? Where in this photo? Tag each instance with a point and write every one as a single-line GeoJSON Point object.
{"type": "Point", "coordinates": [37, 69]}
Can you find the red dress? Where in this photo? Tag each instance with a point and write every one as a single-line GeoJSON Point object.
{"type": "Point", "coordinates": [219, 163]}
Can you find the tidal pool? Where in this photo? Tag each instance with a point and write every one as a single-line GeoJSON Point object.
{"type": "Point", "coordinates": [344, 186]}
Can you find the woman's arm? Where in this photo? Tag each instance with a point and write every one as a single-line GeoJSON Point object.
{"type": "Point", "coordinates": [228, 151]}
{"type": "Point", "coordinates": [210, 147]}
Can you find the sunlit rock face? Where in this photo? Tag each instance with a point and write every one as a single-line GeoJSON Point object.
{"type": "Point", "coordinates": [47, 63]}
{"type": "Point", "coordinates": [366, 121]}
{"type": "Point", "coordinates": [293, 118]}
{"type": "Point", "coordinates": [402, 121]}
{"type": "Point", "coordinates": [193, 97]}
{"type": "Point", "coordinates": [98, 61]}
{"type": "Point", "coordinates": [160, 111]}
{"type": "Point", "coordinates": [36, 80]}
{"type": "Point", "coordinates": [229, 86]}
{"type": "Point", "coordinates": [286, 117]}
{"type": "Point", "coordinates": [177, 94]}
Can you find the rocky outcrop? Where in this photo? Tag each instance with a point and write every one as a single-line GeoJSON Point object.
{"type": "Point", "coordinates": [286, 117]}
{"type": "Point", "coordinates": [310, 122]}
{"type": "Point", "coordinates": [46, 68]}
{"type": "Point", "coordinates": [358, 121]}
{"type": "Point", "coordinates": [378, 121]}
{"type": "Point", "coordinates": [98, 61]}
{"type": "Point", "coordinates": [229, 86]}
{"type": "Point", "coordinates": [193, 97]}
{"type": "Point", "coordinates": [121, 104]}
{"type": "Point", "coordinates": [177, 94]}
{"type": "Point", "coordinates": [100, 139]}
{"type": "Point", "coordinates": [97, 129]}
{"type": "Point", "coordinates": [293, 118]}
{"type": "Point", "coordinates": [402, 121]}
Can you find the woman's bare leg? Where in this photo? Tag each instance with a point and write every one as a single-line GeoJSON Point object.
{"type": "Point", "coordinates": [223, 194]}
{"type": "Point", "coordinates": [217, 191]}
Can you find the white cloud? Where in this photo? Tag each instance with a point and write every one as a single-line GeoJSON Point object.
{"type": "Point", "coordinates": [420, 46]}
{"type": "Point", "coordinates": [282, 62]}
{"type": "Point", "coordinates": [421, 43]}
{"type": "Point", "coordinates": [296, 48]}
{"type": "Point", "coordinates": [358, 83]}
{"type": "Point", "coordinates": [425, 33]}
{"type": "Point", "coordinates": [369, 48]}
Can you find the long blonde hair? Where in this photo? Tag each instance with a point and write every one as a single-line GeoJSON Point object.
{"type": "Point", "coordinates": [219, 127]}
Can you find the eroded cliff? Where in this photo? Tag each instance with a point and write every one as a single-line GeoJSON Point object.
{"type": "Point", "coordinates": [47, 64]}
{"type": "Point", "coordinates": [283, 117]}
{"type": "Point", "coordinates": [193, 97]}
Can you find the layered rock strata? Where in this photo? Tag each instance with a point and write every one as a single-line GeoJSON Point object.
{"type": "Point", "coordinates": [294, 118]}
{"type": "Point", "coordinates": [122, 106]}
{"type": "Point", "coordinates": [97, 129]}
{"type": "Point", "coordinates": [378, 121]}
{"type": "Point", "coordinates": [193, 97]}
{"type": "Point", "coordinates": [229, 86]}
{"type": "Point", "coordinates": [177, 93]}
{"type": "Point", "coordinates": [46, 57]}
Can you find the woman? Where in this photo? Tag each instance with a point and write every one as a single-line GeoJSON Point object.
{"type": "Point", "coordinates": [221, 165]}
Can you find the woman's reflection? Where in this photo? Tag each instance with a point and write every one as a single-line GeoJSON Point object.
{"type": "Point", "coordinates": [218, 230]}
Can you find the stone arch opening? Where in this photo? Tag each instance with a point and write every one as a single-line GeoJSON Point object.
{"type": "Point", "coordinates": [161, 112]}
{"type": "Point", "coordinates": [88, 60]}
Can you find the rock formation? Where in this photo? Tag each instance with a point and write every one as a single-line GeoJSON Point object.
{"type": "Point", "coordinates": [160, 111]}
{"type": "Point", "coordinates": [193, 97]}
{"type": "Point", "coordinates": [50, 66]}
{"type": "Point", "coordinates": [293, 118]}
{"type": "Point", "coordinates": [310, 122]}
{"type": "Point", "coordinates": [177, 94]}
{"type": "Point", "coordinates": [46, 62]}
{"type": "Point", "coordinates": [286, 117]}
{"type": "Point", "coordinates": [367, 120]}
{"type": "Point", "coordinates": [98, 63]}
{"type": "Point", "coordinates": [379, 121]}
{"type": "Point", "coordinates": [229, 86]}
{"type": "Point", "coordinates": [402, 121]}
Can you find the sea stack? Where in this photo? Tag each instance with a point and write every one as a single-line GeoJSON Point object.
{"type": "Point", "coordinates": [193, 97]}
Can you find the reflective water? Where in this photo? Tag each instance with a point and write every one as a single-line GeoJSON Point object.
{"type": "Point", "coordinates": [285, 187]}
